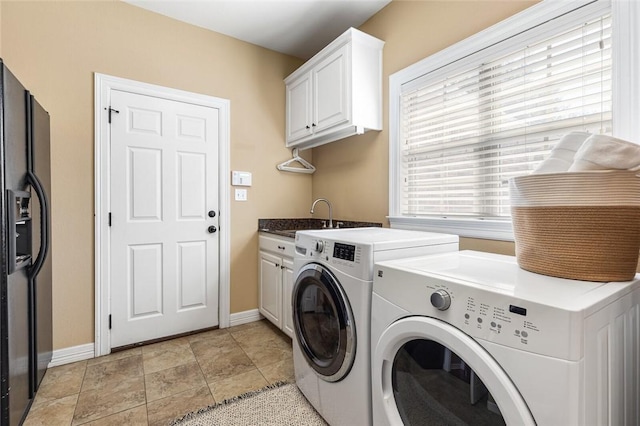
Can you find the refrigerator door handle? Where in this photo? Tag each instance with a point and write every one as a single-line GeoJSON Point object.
{"type": "Point", "coordinates": [44, 223]}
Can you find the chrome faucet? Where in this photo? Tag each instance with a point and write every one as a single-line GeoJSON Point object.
{"type": "Point", "coordinates": [330, 209]}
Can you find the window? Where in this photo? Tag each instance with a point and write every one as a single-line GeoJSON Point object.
{"type": "Point", "coordinates": [467, 119]}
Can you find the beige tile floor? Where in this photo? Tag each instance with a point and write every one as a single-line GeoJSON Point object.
{"type": "Point", "coordinates": [154, 384]}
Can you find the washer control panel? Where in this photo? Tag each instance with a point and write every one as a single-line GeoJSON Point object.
{"type": "Point", "coordinates": [344, 251]}
{"type": "Point", "coordinates": [353, 259]}
{"type": "Point", "coordinates": [480, 312]}
{"type": "Point", "coordinates": [337, 253]}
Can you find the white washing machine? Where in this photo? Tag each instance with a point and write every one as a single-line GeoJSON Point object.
{"type": "Point", "coordinates": [331, 312]}
{"type": "Point", "coordinates": [470, 338]}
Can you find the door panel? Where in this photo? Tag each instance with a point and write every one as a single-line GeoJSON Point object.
{"type": "Point", "coordinates": [192, 268]}
{"type": "Point", "coordinates": [192, 197]}
{"type": "Point", "coordinates": [145, 280]}
{"type": "Point", "coordinates": [331, 91]}
{"type": "Point", "coordinates": [299, 106]}
{"type": "Point", "coordinates": [192, 128]}
{"type": "Point", "coordinates": [164, 261]}
{"type": "Point", "coordinates": [145, 121]}
{"type": "Point", "coordinates": [144, 184]}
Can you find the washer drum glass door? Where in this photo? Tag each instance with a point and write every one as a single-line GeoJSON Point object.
{"type": "Point", "coordinates": [428, 372]}
{"type": "Point", "coordinates": [323, 322]}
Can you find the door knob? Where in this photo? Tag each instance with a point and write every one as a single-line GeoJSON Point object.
{"type": "Point", "coordinates": [212, 229]}
{"type": "Point", "coordinates": [212, 213]}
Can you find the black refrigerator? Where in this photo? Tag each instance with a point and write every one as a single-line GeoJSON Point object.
{"type": "Point", "coordinates": [25, 279]}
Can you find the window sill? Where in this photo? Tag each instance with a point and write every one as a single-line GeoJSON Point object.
{"type": "Point", "coordinates": [471, 228]}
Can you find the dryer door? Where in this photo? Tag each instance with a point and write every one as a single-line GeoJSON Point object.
{"type": "Point", "coordinates": [323, 322]}
{"type": "Point", "coordinates": [427, 372]}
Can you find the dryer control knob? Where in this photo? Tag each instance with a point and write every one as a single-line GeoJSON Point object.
{"type": "Point", "coordinates": [319, 246]}
{"type": "Point", "coordinates": [441, 300]}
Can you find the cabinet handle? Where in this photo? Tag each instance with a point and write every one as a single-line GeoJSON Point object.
{"type": "Point", "coordinates": [277, 265]}
{"type": "Point", "coordinates": [314, 124]}
{"type": "Point", "coordinates": [282, 267]}
{"type": "Point", "coordinates": [308, 127]}
{"type": "Point", "coordinates": [281, 247]}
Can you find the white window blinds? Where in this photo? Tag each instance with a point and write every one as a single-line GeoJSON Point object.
{"type": "Point", "coordinates": [465, 130]}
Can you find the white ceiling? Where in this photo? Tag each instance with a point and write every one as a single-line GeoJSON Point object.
{"type": "Point", "coordinates": [299, 28]}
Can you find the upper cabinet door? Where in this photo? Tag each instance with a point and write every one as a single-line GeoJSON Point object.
{"type": "Point", "coordinates": [299, 104]}
{"type": "Point", "coordinates": [331, 91]}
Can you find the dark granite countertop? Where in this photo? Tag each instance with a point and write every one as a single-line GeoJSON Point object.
{"type": "Point", "coordinates": [288, 227]}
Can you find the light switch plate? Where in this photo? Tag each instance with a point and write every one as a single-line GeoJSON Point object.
{"type": "Point", "coordinates": [241, 194]}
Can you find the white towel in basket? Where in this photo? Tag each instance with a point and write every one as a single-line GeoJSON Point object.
{"type": "Point", "coordinates": [562, 154]}
{"type": "Point", "coordinates": [601, 152]}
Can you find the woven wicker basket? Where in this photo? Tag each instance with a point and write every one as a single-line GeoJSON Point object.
{"type": "Point", "coordinates": [582, 226]}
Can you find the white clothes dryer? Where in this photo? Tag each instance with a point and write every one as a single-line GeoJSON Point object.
{"type": "Point", "coordinates": [332, 308]}
{"type": "Point", "coordinates": [470, 338]}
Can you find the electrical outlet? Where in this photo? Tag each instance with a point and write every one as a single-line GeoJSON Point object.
{"type": "Point", "coordinates": [241, 194]}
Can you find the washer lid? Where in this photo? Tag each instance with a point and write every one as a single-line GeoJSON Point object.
{"type": "Point", "coordinates": [501, 274]}
{"type": "Point", "coordinates": [380, 238]}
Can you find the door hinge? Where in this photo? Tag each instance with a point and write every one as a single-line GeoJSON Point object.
{"type": "Point", "coordinates": [110, 111]}
{"type": "Point", "coordinates": [109, 321]}
{"type": "Point", "coordinates": [109, 218]}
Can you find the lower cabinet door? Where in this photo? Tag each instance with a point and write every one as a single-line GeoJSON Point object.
{"type": "Point", "coordinates": [287, 291]}
{"type": "Point", "coordinates": [270, 288]}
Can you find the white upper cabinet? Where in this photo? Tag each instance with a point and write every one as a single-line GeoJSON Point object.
{"type": "Point", "coordinates": [337, 93]}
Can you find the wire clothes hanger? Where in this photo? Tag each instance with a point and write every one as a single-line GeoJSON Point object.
{"type": "Point", "coordinates": [306, 166]}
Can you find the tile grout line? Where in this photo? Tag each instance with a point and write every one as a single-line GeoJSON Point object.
{"type": "Point", "coordinates": [202, 371]}
{"type": "Point", "coordinates": [254, 364]}
{"type": "Point", "coordinates": [252, 361]}
{"type": "Point", "coordinates": [144, 381]}
{"type": "Point", "coordinates": [84, 375]}
{"type": "Point", "coordinates": [125, 409]}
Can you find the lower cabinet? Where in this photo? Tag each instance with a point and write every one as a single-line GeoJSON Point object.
{"type": "Point", "coordinates": [276, 282]}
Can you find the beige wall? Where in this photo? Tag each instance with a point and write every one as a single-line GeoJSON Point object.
{"type": "Point", "coordinates": [354, 173]}
{"type": "Point", "coordinates": [54, 48]}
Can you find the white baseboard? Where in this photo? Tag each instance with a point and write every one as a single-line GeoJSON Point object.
{"type": "Point", "coordinates": [72, 354]}
{"type": "Point", "coordinates": [86, 351]}
{"type": "Point", "coordinates": [244, 317]}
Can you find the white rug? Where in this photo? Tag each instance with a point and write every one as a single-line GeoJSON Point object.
{"type": "Point", "coordinates": [279, 404]}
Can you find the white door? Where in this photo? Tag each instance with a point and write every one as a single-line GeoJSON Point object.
{"type": "Point", "coordinates": [164, 213]}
